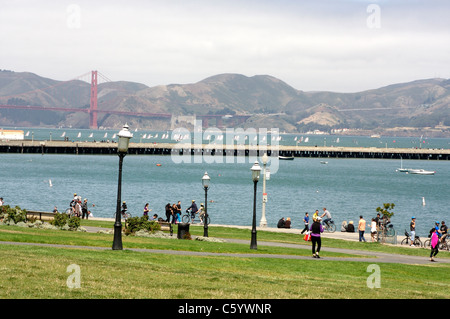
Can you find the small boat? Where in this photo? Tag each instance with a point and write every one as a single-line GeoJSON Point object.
{"type": "Point", "coordinates": [286, 158]}
{"type": "Point", "coordinates": [401, 169]}
{"type": "Point", "coordinates": [420, 172]}
{"type": "Point", "coordinates": [323, 162]}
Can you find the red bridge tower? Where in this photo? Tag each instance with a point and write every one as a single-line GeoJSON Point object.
{"type": "Point", "coordinates": [93, 108]}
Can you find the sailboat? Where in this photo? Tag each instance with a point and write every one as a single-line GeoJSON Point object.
{"type": "Point", "coordinates": [106, 135]}
{"type": "Point", "coordinates": [79, 135]}
{"type": "Point", "coordinates": [91, 135]}
{"type": "Point", "coordinates": [63, 134]}
{"type": "Point", "coordinates": [401, 169]}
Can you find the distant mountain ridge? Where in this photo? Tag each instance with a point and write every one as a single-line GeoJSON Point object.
{"type": "Point", "coordinates": [417, 107]}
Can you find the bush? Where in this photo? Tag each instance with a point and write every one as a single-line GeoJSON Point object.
{"type": "Point", "coordinates": [14, 215]}
{"type": "Point", "coordinates": [60, 220]}
{"type": "Point", "coordinates": [135, 224]}
{"type": "Point", "coordinates": [74, 222]}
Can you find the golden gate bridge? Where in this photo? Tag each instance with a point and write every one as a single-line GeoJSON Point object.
{"type": "Point", "coordinates": [93, 109]}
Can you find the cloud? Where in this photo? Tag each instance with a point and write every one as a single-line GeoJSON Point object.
{"type": "Point", "coordinates": [311, 45]}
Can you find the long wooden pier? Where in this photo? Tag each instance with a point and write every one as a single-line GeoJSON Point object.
{"type": "Point", "coordinates": [103, 148]}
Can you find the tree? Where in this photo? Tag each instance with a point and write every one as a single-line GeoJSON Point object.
{"type": "Point", "coordinates": [387, 212]}
{"type": "Point", "coordinates": [386, 209]}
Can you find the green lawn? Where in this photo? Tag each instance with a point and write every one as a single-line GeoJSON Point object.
{"type": "Point", "coordinates": [42, 272]}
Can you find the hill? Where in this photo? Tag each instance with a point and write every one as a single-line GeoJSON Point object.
{"type": "Point", "coordinates": [413, 108]}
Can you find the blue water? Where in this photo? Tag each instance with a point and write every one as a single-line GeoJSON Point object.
{"type": "Point", "coordinates": [347, 187]}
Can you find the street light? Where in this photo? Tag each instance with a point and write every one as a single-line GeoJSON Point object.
{"type": "Point", "coordinates": [256, 170]}
{"type": "Point", "coordinates": [122, 149]}
{"type": "Point", "coordinates": [205, 183]}
{"type": "Point", "coordinates": [263, 222]}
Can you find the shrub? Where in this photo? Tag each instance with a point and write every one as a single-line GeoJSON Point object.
{"type": "Point", "coordinates": [60, 219]}
{"type": "Point", "coordinates": [74, 222]}
{"type": "Point", "coordinates": [14, 215]}
{"type": "Point", "coordinates": [135, 224]}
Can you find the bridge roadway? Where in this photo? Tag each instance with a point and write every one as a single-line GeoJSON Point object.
{"type": "Point", "coordinates": [104, 148]}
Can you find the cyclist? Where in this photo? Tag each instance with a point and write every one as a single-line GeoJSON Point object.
{"type": "Point", "coordinates": [193, 209]}
{"type": "Point", "coordinates": [443, 230]}
{"type": "Point", "coordinates": [327, 218]}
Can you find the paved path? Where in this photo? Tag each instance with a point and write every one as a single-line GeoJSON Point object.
{"type": "Point", "coordinates": [366, 256]}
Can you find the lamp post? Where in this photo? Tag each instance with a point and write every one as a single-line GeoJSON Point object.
{"type": "Point", "coordinates": [263, 221]}
{"type": "Point", "coordinates": [256, 170]}
{"type": "Point", "coordinates": [205, 183]}
{"type": "Point", "coordinates": [122, 149]}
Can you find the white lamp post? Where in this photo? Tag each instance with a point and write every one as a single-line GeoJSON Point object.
{"type": "Point", "coordinates": [205, 183]}
{"type": "Point", "coordinates": [263, 221]}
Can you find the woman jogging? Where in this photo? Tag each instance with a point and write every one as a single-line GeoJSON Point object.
{"type": "Point", "coordinates": [316, 230]}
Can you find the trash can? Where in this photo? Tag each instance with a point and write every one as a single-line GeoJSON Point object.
{"type": "Point", "coordinates": [183, 228]}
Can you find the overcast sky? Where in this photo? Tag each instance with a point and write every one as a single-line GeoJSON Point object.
{"type": "Point", "coordinates": [342, 46]}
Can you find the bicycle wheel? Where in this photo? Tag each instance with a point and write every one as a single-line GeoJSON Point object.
{"type": "Point", "coordinates": [405, 241]}
{"type": "Point", "coordinates": [68, 211]}
{"type": "Point", "coordinates": [427, 243]}
{"type": "Point", "coordinates": [418, 242]}
{"type": "Point", "coordinates": [332, 228]}
{"type": "Point", "coordinates": [186, 219]}
{"type": "Point", "coordinates": [390, 232]}
{"type": "Point", "coordinates": [208, 220]}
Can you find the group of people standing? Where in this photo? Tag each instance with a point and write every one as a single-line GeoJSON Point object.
{"type": "Point", "coordinates": [79, 208]}
{"type": "Point", "coordinates": [173, 212]}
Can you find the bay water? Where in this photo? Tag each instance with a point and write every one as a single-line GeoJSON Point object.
{"type": "Point", "coordinates": [348, 188]}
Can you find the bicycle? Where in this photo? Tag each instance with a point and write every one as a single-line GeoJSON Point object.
{"type": "Point", "coordinates": [186, 218]}
{"type": "Point", "coordinates": [442, 244]}
{"type": "Point", "coordinates": [71, 212]}
{"type": "Point", "coordinates": [329, 226]}
{"type": "Point", "coordinates": [407, 240]}
{"type": "Point", "coordinates": [125, 215]}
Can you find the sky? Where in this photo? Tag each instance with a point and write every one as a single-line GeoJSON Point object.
{"type": "Point", "coordinates": [320, 45]}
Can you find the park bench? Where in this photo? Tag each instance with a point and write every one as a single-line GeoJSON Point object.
{"type": "Point", "coordinates": [166, 226]}
{"type": "Point", "coordinates": [44, 216]}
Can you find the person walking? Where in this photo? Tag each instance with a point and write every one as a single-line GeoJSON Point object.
{"type": "Point", "coordinates": [316, 230]}
{"type": "Point", "coordinates": [168, 212]}
{"type": "Point", "coordinates": [361, 228]}
{"type": "Point", "coordinates": [434, 244]}
{"type": "Point", "coordinates": [412, 228]}
{"type": "Point", "coordinates": [373, 229]}
{"type": "Point", "coordinates": [306, 221]}
{"type": "Point", "coordinates": [146, 209]}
